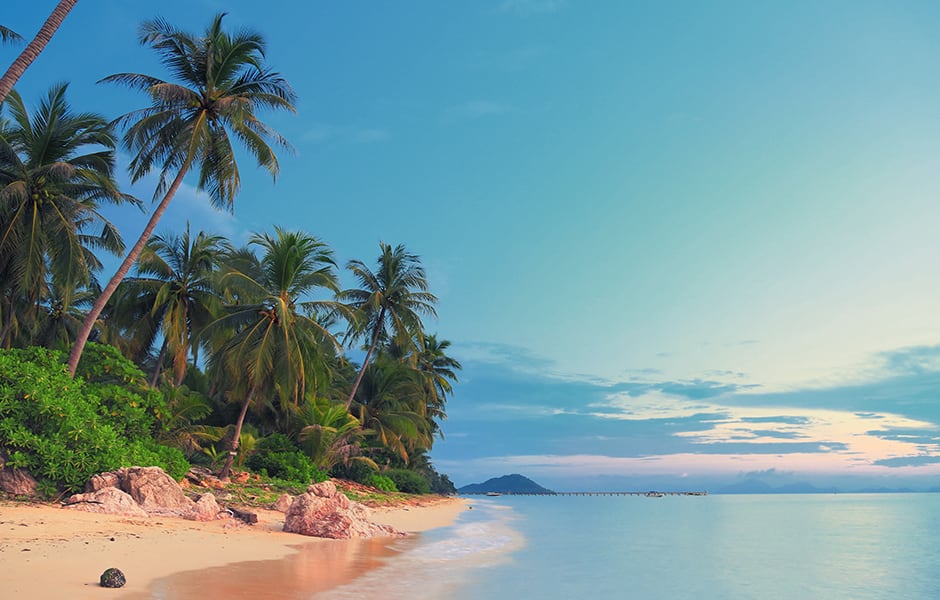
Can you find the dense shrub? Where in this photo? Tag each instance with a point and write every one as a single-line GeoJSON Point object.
{"type": "Point", "coordinates": [440, 483]}
{"type": "Point", "coordinates": [144, 452]}
{"type": "Point", "coordinates": [354, 471]}
{"type": "Point", "coordinates": [277, 456]}
{"type": "Point", "coordinates": [128, 403]}
{"type": "Point", "coordinates": [276, 442]}
{"type": "Point", "coordinates": [64, 431]}
{"type": "Point", "coordinates": [408, 481]}
{"type": "Point", "coordinates": [382, 482]}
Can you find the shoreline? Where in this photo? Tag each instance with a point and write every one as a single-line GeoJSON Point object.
{"type": "Point", "coordinates": [49, 552]}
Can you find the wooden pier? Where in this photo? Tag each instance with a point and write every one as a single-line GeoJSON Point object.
{"type": "Point", "coordinates": [650, 494]}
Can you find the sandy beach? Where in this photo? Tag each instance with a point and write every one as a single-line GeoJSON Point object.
{"type": "Point", "coordinates": [48, 552]}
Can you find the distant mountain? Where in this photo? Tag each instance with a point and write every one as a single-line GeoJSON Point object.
{"type": "Point", "coordinates": [507, 484]}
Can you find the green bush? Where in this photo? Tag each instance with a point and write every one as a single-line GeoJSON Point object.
{"type": "Point", "coordinates": [146, 452]}
{"type": "Point", "coordinates": [276, 442]}
{"type": "Point", "coordinates": [382, 482]}
{"type": "Point", "coordinates": [408, 481]}
{"type": "Point", "coordinates": [354, 471]}
{"type": "Point", "coordinates": [64, 431]}
{"type": "Point", "coordinates": [277, 456]}
{"type": "Point", "coordinates": [126, 400]}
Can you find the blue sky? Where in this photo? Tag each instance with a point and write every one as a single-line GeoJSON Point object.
{"type": "Point", "coordinates": [674, 242]}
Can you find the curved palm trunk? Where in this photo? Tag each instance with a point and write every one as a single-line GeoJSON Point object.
{"type": "Point", "coordinates": [181, 358]}
{"type": "Point", "coordinates": [233, 451]}
{"type": "Point", "coordinates": [365, 363]}
{"type": "Point", "coordinates": [82, 338]}
{"type": "Point", "coordinates": [35, 47]}
{"type": "Point", "coordinates": [160, 358]}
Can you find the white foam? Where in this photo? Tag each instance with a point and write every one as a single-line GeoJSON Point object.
{"type": "Point", "coordinates": [442, 561]}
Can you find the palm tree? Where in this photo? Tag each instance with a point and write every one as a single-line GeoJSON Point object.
{"type": "Point", "coordinates": [55, 169]}
{"type": "Point", "coordinates": [390, 404]}
{"type": "Point", "coordinates": [176, 281]}
{"type": "Point", "coordinates": [277, 334]}
{"type": "Point", "coordinates": [439, 371]}
{"type": "Point", "coordinates": [330, 435]}
{"type": "Point", "coordinates": [389, 302]}
{"type": "Point", "coordinates": [190, 124]}
{"type": "Point", "coordinates": [64, 311]}
{"type": "Point", "coordinates": [34, 48]}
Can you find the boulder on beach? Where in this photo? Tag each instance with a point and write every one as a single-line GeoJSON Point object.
{"type": "Point", "coordinates": [206, 509]}
{"type": "Point", "coordinates": [325, 512]}
{"type": "Point", "coordinates": [17, 482]}
{"type": "Point", "coordinates": [283, 503]}
{"type": "Point", "coordinates": [150, 487]}
{"type": "Point", "coordinates": [108, 500]}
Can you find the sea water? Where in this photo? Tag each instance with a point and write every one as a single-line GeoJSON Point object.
{"type": "Point", "coordinates": [839, 546]}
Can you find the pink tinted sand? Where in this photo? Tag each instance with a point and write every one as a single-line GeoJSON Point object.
{"type": "Point", "coordinates": [47, 552]}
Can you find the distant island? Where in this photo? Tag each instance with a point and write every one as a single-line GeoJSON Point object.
{"type": "Point", "coordinates": [507, 484]}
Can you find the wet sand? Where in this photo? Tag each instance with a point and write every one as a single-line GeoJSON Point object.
{"type": "Point", "coordinates": [47, 552]}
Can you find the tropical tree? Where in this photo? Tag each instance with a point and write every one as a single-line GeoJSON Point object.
{"type": "Point", "coordinates": [390, 403]}
{"type": "Point", "coordinates": [189, 124]}
{"type": "Point", "coordinates": [176, 280]}
{"type": "Point", "coordinates": [61, 316]}
{"type": "Point", "coordinates": [276, 331]}
{"type": "Point", "coordinates": [34, 48]}
{"type": "Point", "coordinates": [389, 302]}
{"type": "Point", "coordinates": [56, 167]}
{"type": "Point", "coordinates": [439, 370]}
{"type": "Point", "coordinates": [330, 435]}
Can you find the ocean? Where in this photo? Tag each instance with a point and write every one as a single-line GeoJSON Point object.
{"type": "Point", "coordinates": [832, 546]}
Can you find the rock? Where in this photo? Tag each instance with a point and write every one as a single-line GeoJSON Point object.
{"type": "Point", "coordinates": [324, 489]}
{"type": "Point", "coordinates": [205, 509]}
{"type": "Point", "coordinates": [152, 489]}
{"type": "Point", "coordinates": [155, 491]}
{"type": "Point", "coordinates": [283, 503]}
{"type": "Point", "coordinates": [112, 578]}
{"type": "Point", "coordinates": [107, 500]}
{"type": "Point", "coordinates": [325, 512]}
{"type": "Point", "coordinates": [103, 480]}
{"type": "Point", "coordinates": [17, 482]}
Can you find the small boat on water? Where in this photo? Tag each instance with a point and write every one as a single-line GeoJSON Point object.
{"type": "Point", "coordinates": [655, 495]}
{"type": "Point", "coordinates": [493, 494]}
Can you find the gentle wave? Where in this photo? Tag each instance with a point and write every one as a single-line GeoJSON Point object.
{"type": "Point", "coordinates": [437, 563]}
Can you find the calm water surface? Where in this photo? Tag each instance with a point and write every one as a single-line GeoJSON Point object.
{"type": "Point", "coordinates": [845, 546]}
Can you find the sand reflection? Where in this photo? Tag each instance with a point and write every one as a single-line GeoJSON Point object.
{"type": "Point", "coordinates": [317, 566]}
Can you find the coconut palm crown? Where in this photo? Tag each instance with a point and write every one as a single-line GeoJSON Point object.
{"type": "Point", "coordinates": [190, 124]}
{"type": "Point", "coordinates": [56, 168]}
{"type": "Point", "coordinates": [389, 301]}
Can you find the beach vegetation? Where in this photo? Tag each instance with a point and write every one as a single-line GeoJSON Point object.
{"type": "Point", "coordinates": [408, 481]}
{"type": "Point", "coordinates": [275, 333]}
{"type": "Point", "coordinates": [221, 81]}
{"type": "Point", "coordinates": [382, 482]}
{"type": "Point", "coordinates": [57, 167]}
{"type": "Point", "coordinates": [388, 303]}
{"type": "Point", "coordinates": [198, 351]}
{"type": "Point", "coordinates": [64, 431]}
{"type": "Point", "coordinates": [277, 456]}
